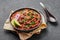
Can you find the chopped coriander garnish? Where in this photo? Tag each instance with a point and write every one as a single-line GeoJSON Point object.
{"type": "Point", "coordinates": [23, 21]}
{"type": "Point", "coordinates": [28, 25]}
{"type": "Point", "coordinates": [28, 14]}
{"type": "Point", "coordinates": [32, 17]}
{"type": "Point", "coordinates": [32, 23]}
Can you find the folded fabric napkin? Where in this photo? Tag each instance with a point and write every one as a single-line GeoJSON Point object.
{"type": "Point", "coordinates": [25, 36]}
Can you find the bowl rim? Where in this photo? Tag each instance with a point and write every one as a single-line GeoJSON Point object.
{"type": "Point", "coordinates": [17, 29]}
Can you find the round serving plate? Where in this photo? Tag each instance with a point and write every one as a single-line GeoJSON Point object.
{"type": "Point", "coordinates": [30, 29]}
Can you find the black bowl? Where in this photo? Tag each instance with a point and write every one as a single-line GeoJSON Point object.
{"type": "Point", "coordinates": [27, 31]}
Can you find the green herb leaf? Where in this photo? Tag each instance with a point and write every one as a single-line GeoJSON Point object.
{"type": "Point", "coordinates": [24, 20]}
{"type": "Point", "coordinates": [28, 14]}
{"type": "Point", "coordinates": [32, 23]}
{"type": "Point", "coordinates": [28, 25]}
{"type": "Point", "coordinates": [32, 17]}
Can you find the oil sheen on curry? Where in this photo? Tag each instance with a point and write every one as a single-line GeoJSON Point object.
{"type": "Point", "coordinates": [26, 19]}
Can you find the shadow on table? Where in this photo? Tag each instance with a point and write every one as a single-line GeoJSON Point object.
{"type": "Point", "coordinates": [39, 36]}
{"type": "Point", "coordinates": [34, 37]}
{"type": "Point", "coordinates": [54, 23]}
{"type": "Point", "coordinates": [11, 33]}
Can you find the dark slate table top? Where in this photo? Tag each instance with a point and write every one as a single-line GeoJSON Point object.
{"type": "Point", "coordinates": [51, 33]}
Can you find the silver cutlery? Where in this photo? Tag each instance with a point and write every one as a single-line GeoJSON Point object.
{"type": "Point", "coordinates": [50, 17]}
